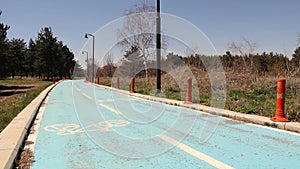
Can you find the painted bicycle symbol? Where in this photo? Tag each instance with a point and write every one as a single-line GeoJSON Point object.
{"type": "Point", "coordinates": [67, 129]}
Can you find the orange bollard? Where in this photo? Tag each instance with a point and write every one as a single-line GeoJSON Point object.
{"type": "Point", "coordinates": [98, 80]}
{"type": "Point", "coordinates": [280, 101]}
{"type": "Point", "coordinates": [188, 98]}
{"type": "Point", "coordinates": [132, 85]}
{"type": "Point", "coordinates": [117, 83]}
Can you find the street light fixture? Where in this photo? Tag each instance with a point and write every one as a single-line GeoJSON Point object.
{"type": "Point", "coordinates": [87, 62]}
{"type": "Point", "coordinates": [87, 36]}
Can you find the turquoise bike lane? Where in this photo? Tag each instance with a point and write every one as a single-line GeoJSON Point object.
{"type": "Point", "coordinates": [84, 126]}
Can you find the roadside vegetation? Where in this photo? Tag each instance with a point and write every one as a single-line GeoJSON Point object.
{"type": "Point", "coordinates": [24, 66]}
{"type": "Point", "coordinates": [251, 77]}
{"type": "Point", "coordinates": [15, 95]}
{"type": "Point", "coordinates": [242, 95]}
{"type": "Point", "coordinates": [44, 57]}
{"type": "Point", "coordinates": [249, 89]}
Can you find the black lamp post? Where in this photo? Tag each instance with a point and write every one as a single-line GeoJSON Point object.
{"type": "Point", "coordinates": [158, 48]}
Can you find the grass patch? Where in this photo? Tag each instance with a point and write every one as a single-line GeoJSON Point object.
{"type": "Point", "coordinates": [250, 96]}
{"type": "Point", "coordinates": [251, 102]}
{"type": "Point", "coordinates": [12, 105]}
{"type": "Point", "coordinates": [25, 81]}
{"type": "Point", "coordinates": [105, 81]}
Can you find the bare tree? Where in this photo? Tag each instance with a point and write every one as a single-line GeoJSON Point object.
{"type": "Point", "coordinates": [238, 48]}
{"type": "Point", "coordinates": [137, 30]}
{"type": "Point", "coordinates": [109, 65]}
{"type": "Point", "coordinates": [109, 60]}
{"type": "Point", "coordinates": [293, 65]}
{"type": "Point", "coordinates": [251, 47]}
{"type": "Point", "coordinates": [244, 48]}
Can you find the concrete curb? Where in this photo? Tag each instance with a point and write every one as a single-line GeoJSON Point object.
{"type": "Point", "coordinates": [12, 137]}
{"type": "Point", "coordinates": [248, 118]}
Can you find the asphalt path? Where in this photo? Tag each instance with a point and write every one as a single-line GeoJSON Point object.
{"type": "Point", "coordinates": [84, 126]}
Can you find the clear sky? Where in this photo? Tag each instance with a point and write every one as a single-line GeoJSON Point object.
{"type": "Point", "coordinates": [272, 24]}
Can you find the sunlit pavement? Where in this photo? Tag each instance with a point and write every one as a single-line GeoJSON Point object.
{"type": "Point", "coordinates": [84, 126]}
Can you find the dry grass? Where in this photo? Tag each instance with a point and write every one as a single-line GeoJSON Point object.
{"type": "Point", "coordinates": [27, 158]}
{"type": "Point", "coordinates": [13, 103]}
{"type": "Point", "coordinates": [246, 92]}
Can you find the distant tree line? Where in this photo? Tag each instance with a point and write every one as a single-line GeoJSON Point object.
{"type": "Point", "coordinates": [44, 57]}
{"type": "Point", "coordinates": [272, 64]}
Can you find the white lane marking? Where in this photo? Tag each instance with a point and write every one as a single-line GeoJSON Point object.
{"type": "Point", "coordinates": [113, 100]}
{"type": "Point", "coordinates": [110, 109]}
{"type": "Point", "coordinates": [87, 96]}
{"type": "Point", "coordinates": [190, 150]}
{"type": "Point", "coordinates": [185, 148]}
{"type": "Point", "coordinates": [77, 89]}
{"type": "Point", "coordinates": [107, 100]}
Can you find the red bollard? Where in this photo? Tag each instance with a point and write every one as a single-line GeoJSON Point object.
{"type": "Point", "coordinates": [132, 85]}
{"type": "Point", "coordinates": [280, 101]}
{"type": "Point", "coordinates": [98, 80]}
{"type": "Point", "coordinates": [53, 80]}
{"type": "Point", "coordinates": [117, 83]}
{"type": "Point", "coordinates": [188, 98]}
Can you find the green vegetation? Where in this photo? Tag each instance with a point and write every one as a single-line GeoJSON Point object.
{"type": "Point", "coordinates": [13, 104]}
{"type": "Point", "coordinates": [44, 57]}
{"type": "Point", "coordinates": [250, 90]}
{"type": "Point", "coordinates": [22, 63]}
{"type": "Point", "coordinates": [260, 101]}
{"type": "Point", "coordinates": [251, 77]}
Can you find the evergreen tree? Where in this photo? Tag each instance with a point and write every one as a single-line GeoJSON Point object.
{"type": "Point", "coordinates": [3, 49]}
{"type": "Point", "coordinates": [51, 57]}
{"type": "Point", "coordinates": [16, 57]}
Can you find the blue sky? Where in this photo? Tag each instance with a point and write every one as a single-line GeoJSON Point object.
{"type": "Point", "coordinates": [272, 24]}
